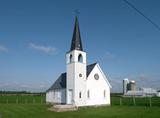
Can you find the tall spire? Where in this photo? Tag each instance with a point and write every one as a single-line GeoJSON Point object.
{"type": "Point", "coordinates": [76, 39]}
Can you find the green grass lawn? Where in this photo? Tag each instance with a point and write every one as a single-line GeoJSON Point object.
{"type": "Point", "coordinates": [35, 107]}
{"type": "Point", "coordinates": [40, 111]}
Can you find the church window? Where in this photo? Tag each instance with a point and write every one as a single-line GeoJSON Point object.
{"type": "Point", "coordinates": [54, 94]}
{"type": "Point", "coordinates": [104, 93]}
{"type": "Point", "coordinates": [80, 75]}
{"type": "Point", "coordinates": [80, 95]}
{"type": "Point", "coordinates": [88, 94]}
{"type": "Point", "coordinates": [96, 76]}
{"type": "Point", "coordinates": [80, 58]}
{"type": "Point", "coordinates": [70, 58]}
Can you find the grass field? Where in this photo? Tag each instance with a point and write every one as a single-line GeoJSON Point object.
{"type": "Point", "coordinates": [35, 107]}
{"type": "Point", "coordinates": [40, 111]}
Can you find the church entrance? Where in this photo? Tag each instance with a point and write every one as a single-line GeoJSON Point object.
{"type": "Point", "coordinates": [70, 96]}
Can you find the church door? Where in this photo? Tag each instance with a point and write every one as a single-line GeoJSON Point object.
{"type": "Point", "coordinates": [70, 96]}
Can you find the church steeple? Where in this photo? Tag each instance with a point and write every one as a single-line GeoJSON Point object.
{"type": "Point", "coordinates": [76, 39]}
{"type": "Point", "coordinates": [76, 69]}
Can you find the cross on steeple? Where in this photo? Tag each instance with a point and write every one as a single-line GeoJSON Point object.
{"type": "Point", "coordinates": [77, 12]}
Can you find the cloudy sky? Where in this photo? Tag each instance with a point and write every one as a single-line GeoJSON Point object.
{"type": "Point", "coordinates": [36, 34]}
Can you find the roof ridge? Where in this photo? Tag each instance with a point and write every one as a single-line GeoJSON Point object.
{"type": "Point", "coordinates": [92, 64]}
{"type": "Point", "coordinates": [90, 68]}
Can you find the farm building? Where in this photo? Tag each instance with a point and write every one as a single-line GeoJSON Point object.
{"type": "Point", "coordinates": [128, 85]}
{"type": "Point", "coordinates": [158, 93]}
{"type": "Point", "coordinates": [82, 84]}
{"type": "Point", "coordinates": [142, 92]}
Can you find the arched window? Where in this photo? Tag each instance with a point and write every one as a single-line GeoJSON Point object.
{"type": "Point", "coordinates": [104, 93]}
{"type": "Point", "coordinates": [88, 94]}
{"type": "Point", "coordinates": [70, 58]}
{"type": "Point", "coordinates": [80, 58]}
{"type": "Point", "coordinates": [80, 95]}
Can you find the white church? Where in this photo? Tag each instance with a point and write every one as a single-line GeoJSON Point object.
{"type": "Point", "coordinates": [82, 84]}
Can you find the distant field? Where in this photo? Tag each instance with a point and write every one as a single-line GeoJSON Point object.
{"type": "Point", "coordinates": [19, 99]}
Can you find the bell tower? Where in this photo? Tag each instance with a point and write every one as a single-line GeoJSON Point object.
{"type": "Point", "coordinates": [76, 70]}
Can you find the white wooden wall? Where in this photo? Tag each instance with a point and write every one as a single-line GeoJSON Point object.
{"type": "Point", "coordinates": [97, 87]}
{"type": "Point", "coordinates": [56, 96]}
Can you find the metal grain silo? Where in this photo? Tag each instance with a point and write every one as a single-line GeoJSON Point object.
{"type": "Point", "coordinates": [125, 83]}
{"type": "Point", "coordinates": [131, 86]}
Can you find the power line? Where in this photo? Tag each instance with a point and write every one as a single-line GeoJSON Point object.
{"type": "Point", "coordinates": [147, 18]}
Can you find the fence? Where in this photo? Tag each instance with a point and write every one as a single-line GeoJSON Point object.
{"type": "Point", "coordinates": [22, 99]}
{"type": "Point", "coordinates": [115, 101]}
{"type": "Point", "coordinates": [133, 101]}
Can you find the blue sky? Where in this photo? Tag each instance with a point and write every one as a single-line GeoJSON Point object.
{"type": "Point", "coordinates": [36, 34]}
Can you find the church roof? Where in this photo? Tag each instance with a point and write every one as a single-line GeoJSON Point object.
{"type": "Point", "coordinates": [61, 82]}
{"type": "Point", "coordinates": [76, 39]}
{"type": "Point", "coordinates": [90, 68]}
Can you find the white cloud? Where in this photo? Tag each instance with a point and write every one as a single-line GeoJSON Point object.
{"type": "Point", "coordinates": [33, 87]}
{"type": "Point", "coordinates": [143, 76]}
{"type": "Point", "coordinates": [45, 49]}
{"type": "Point", "coordinates": [116, 83]}
{"type": "Point", "coordinates": [3, 49]}
{"type": "Point", "coordinates": [109, 55]}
